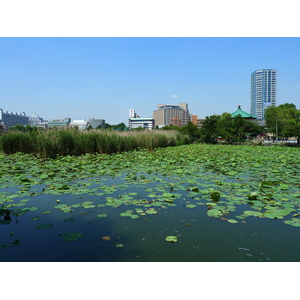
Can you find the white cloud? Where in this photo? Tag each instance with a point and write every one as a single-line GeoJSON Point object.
{"type": "Point", "coordinates": [173, 96]}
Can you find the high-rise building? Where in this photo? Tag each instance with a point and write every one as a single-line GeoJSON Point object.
{"type": "Point", "coordinates": [263, 91]}
{"type": "Point", "coordinates": [168, 114]}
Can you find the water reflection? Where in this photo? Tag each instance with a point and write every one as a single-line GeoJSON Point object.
{"type": "Point", "coordinates": [5, 217]}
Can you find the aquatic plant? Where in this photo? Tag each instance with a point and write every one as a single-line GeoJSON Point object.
{"type": "Point", "coordinates": [62, 142]}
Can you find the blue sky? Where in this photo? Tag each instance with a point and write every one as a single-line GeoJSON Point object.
{"type": "Point", "coordinates": [104, 77]}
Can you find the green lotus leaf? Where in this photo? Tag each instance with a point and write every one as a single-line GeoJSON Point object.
{"type": "Point", "coordinates": [71, 237]}
{"type": "Point", "coordinates": [171, 239]}
{"type": "Point", "coordinates": [151, 212]}
{"type": "Point", "coordinates": [119, 245]}
{"type": "Point", "coordinates": [215, 195]}
{"type": "Point", "coordinates": [89, 206]}
{"type": "Point", "coordinates": [191, 205]}
{"type": "Point", "coordinates": [232, 221]}
{"type": "Point", "coordinates": [293, 222]}
{"type": "Point", "coordinates": [44, 226]}
{"type": "Point", "coordinates": [102, 216]}
{"type": "Point", "coordinates": [24, 200]}
{"type": "Point", "coordinates": [253, 213]}
{"type": "Point", "coordinates": [168, 195]}
{"type": "Point", "coordinates": [214, 213]}
{"type": "Point", "coordinates": [46, 212]}
{"type": "Point", "coordinates": [134, 216]}
{"type": "Point", "coordinates": [36, 218]}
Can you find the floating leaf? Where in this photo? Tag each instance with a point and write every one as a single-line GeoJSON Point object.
{"type": "Point", "coordinates": [119, 245]}
{"type": "Point", "coordinates": [102, 216]}
{"type": "Point", "coordinates": [232, 221]}
{"type": "Point", "coordinates": [44, 226]}
{"type": "Point", "coordinates": [151, 212]}
{"type": "Point", "coordinates": [171, 238]}
{"type": "Point", "coordinates": [191, 205]}
{"type": "Point", "coordinates": [106, 238]}
{"type": "Point", "coordinates": [71, 237]}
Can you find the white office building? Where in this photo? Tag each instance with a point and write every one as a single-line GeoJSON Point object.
{"type": "Point", "coordinates": [263, 91]}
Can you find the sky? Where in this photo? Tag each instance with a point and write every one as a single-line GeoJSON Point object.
{"type": "Point", "coordinates": [104, 77]}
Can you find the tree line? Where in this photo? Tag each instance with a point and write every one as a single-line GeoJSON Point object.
{"type": "Point", "coordinates": [281, 121]}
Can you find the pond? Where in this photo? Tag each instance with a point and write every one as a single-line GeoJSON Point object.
{"type": "Point", "coordinates": [193, 203]}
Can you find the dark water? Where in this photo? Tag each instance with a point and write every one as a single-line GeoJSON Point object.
{"type": "Point", "coordinates": [200, 238]}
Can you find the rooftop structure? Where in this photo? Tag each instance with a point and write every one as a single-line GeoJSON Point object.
{"type": "Point", "coordinates": [243, 114]}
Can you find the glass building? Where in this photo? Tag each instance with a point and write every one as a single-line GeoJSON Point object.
{"type": "Point", "coordinates": [263, 91]}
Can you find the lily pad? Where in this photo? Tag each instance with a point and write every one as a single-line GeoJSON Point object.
{"type": "Point", "coordinates": [151, 212]}
{"type": "Point", "coordinates": [44, 226]}
{"type": "Point", "coordinates": [232, 221]}
{"type": "Point", "coordinates": [191, 205]}
{"type": "Point", "coordinates": [102, 216]}
{"type": "Point", "coordinates": [171, 239]}
{"type": "Point", "coordinates": [71, 237]}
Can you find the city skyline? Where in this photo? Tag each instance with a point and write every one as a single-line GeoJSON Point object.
{"type": "Point", "coordinates": [84, 78]}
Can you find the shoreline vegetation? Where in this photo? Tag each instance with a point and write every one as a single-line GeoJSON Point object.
{"type": "Point", "coordinates": [71, 141]}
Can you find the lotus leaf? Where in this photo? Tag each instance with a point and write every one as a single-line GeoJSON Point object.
{"type": "Point", "coordinates": [44, 226]}
{"type": "Point", "coordinates": [253, 213]}
{"type": "Point", "coordinates": [214, 213]}
{"type": "Point", "coordinates": [71, 237]}
{"type": "Point", "coordinates": [151, 212]}
{"type": "Point", "coordinates": [102, 216]}
{"type": "Point", "coordinates": [232, 221]}
{"type": "Point", "coordinates": [171, 238]}
{"type": "Point", "coordinates": [191, 205]}
{"type": "Point", "coordinates": [215, 195]}
{"type": "Point", "coordinates": [119, 245]}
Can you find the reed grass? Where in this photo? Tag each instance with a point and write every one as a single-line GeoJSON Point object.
{"type": "Point", "coordinates": [71, 141]}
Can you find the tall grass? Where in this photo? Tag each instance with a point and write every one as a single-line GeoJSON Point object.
{"type": "Point", "coordinates": [71, 141]}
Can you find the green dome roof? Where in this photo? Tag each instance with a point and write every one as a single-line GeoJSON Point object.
{"type": "Point", "coordinates": [243, 114]}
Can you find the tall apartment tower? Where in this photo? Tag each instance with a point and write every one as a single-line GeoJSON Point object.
{"type": "Point", "coordinates": [263, 91]}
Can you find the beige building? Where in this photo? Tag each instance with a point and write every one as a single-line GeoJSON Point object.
{"type": "Point", "coordinates": [169, 114]}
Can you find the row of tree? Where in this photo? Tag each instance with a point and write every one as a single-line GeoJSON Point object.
{"type": "Point", "coordinates": [282, 121]}
{"type": "Point", "coordinates": [220, 127]}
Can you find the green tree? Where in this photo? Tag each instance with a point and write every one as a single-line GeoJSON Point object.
{"type": "Point", "coordinates": [209, 131]}
{"type": "Point", "coordinates": [191, 130]}
{"type": "Point", "coordinates": [283, 121]}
